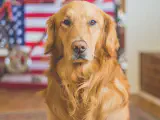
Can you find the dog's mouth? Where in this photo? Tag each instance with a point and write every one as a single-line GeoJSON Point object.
{"type": "Point", "coordinates": [79, 58]}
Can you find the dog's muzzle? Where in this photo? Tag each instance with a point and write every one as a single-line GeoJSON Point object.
{"type": "Point", "coordinates": [79, 49]}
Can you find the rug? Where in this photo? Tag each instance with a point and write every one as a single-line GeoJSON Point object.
{"type": "Point", "coordinates": [136, 114]}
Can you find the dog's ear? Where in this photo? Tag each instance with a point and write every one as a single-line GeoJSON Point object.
{"type": "Point", "coordinates": [51, 29]}
{"type": "Point", "coordinates": [111, 40]}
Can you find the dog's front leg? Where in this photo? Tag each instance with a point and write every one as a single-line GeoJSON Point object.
{"type": "Point", "coordinates": [51, 115]}
{"type": "Point", "coordinates": [57, 106]}
{"type": "Point", "coordinates": [121, 114]}
{"type": "Point", "coordinates": [111, 100]}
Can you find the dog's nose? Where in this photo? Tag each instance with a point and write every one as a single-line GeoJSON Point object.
{"type": "Point", "coordinates": [79, 46]}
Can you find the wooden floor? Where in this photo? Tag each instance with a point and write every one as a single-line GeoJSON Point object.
{"type": "Point", "coordinates": [29, 100]}
{"type": "Point", "coordinates": [20, 100]}
{"type": "Point", "coordinates": [146, 105]}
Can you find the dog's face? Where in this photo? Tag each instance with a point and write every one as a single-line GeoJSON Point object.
{"type": "Point", "coordinates": [79, 30]}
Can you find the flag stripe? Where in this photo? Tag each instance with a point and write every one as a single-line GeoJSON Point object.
{"type": "Point", "coordinates": [39, 1]}
{"type": "Point", "coordinates": [35, 30]}
{"type": "Point", "coordinates": [41, 8]}
{"type": "Point", "coordinates": [32, 44]}
{"type": "Point", "coordinates": [37, 15]}
{"type": "Point", "coordinates": [40, 58]}
{"type": "Point", "coordinates": [39, 65]}
{"type": "Point", "coordinates": [38, 51]}
{"type": "Point", "coordinates": [106, 7]}
{"type": "Point", "coordinates": [33, 36]}
{"type": "Point", "coordinates": [111, 13]}
{"type": "Point", "coordinates": [108, 1]}
{"type": "Point", "coordinates": [35, 22]}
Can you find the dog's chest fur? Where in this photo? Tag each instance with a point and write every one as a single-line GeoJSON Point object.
{"type": "Point", "coordinates": [75, 81]}
{"type": "Point", "coordinates": [81, 89]}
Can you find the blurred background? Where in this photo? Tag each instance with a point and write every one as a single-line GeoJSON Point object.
{"type": "Point", "coordinates": [22, 60]}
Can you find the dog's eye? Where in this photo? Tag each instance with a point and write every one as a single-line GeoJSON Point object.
{"type": "Point", "coordinates": [67, 22]}
{"type": "Point", "coordinates": [92, 22]}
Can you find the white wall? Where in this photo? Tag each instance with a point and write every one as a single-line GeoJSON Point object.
{"type": "Point", "coordinates": [142, 34]}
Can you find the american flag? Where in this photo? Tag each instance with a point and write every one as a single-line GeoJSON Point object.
{"type": "Point", "coordinates": [30, 18]}
{"type": "Point", "coordinates": [36, 15]}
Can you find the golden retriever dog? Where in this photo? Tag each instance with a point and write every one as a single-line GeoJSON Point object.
{"type": "Point", "coordinates": [85, 81]}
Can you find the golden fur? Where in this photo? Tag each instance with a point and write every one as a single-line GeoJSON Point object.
{"type": "Point", "coordinates": [95, 89]}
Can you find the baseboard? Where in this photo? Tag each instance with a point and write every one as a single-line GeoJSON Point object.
{"type": "Point", "coordinates": [150, 97]}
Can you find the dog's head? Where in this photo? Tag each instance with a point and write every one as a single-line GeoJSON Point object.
{"type": "Point", "coordinates": [79, 30]}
